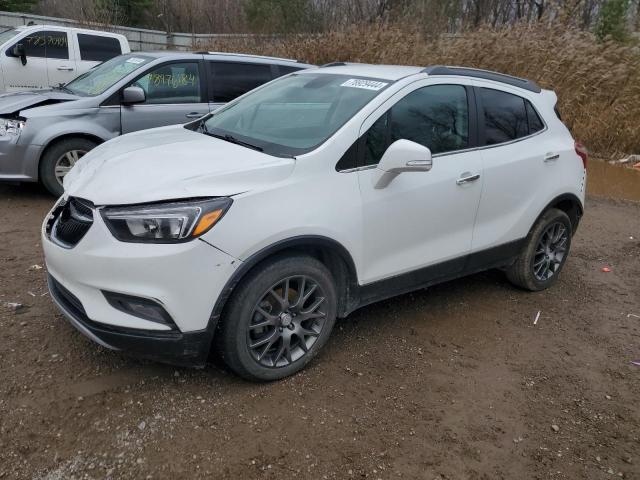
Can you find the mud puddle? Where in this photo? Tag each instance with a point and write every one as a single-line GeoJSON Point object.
{"type": "Point", "coordinates": [613, 181]}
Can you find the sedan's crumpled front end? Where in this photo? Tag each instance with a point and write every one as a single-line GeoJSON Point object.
{"type": "Point", "coordinates": [17, 156]}
{"type": "Point", "coordinates": [155, 300]}
{"type": "Point", "coordinates": [20, 147]}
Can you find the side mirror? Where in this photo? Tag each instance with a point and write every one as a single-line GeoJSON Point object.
{"type": "Point", "coordinates": [133, 95]}
{"type": "Point", "coordinates": [403, 156]}
{"type": "Point", "coordinates": [20, 52]}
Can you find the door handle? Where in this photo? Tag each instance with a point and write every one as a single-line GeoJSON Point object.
{"type": "Point", "coordinates": [551, 157]}
{"type": "Point", "coordinates": [467, 178]}
{"type": "Point", "coordinates": [194, 115]}
{"type": "Point", "coordinates": [64, 68]}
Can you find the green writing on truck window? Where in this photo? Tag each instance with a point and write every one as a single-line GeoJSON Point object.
{"type": "Point", "coordinates": [47, 40]}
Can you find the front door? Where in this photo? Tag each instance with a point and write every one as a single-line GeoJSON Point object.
{"type": "Point", "coordinates": [33, 75]}
{"type": "Point", "coordinates": [61, 65]}
{"type": "Point", "coordinates": [421, 219]}
{"type": "Point", "coordinates": [174, 95]}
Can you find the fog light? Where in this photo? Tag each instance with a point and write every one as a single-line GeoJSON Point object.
{"type": "Point", "coordinates": [140, 307]}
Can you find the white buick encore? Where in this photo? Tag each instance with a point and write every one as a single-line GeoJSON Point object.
{"type": "Point", "coordinates": [249, 231]}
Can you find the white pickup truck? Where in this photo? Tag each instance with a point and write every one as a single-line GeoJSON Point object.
{"type": "Point", "coordinates": [44, 56]}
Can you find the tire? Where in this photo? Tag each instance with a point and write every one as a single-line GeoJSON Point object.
{"type": "Point", "coordinates": [258, 315]}
{"type": "Point", "coordinates": [62, 154]}
{"type": "Point", "coordinates": [538, 266]}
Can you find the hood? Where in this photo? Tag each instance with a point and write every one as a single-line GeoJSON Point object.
{"type": "Point", "coordinates": [13, 103]}
{"type": "Point", "coordinates": [170, 163]}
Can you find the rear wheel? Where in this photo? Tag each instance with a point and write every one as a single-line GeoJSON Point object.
{"type": "Point", "coordinates": [545, 252]}
{"type": "Point", "coordinates": [58, 160]}
{"type": "Point", "coordinates": [278, 319]}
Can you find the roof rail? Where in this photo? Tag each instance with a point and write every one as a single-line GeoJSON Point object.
{"type": "Point", "coordinates": [333, 64]}
{"type": "Point", "coordinates": [247, 55]}
{"type": "Point", "coordinates": [484, 74]}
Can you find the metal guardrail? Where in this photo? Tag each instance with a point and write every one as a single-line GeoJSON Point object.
{"type": "Point", "coordinates": [139, 38]}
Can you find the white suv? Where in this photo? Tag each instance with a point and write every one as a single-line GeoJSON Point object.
{"type": "Point", "coordinates": [251, 230]}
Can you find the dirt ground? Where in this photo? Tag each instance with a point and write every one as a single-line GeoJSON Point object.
{"type": "Point", "coordinates": [454, 382]}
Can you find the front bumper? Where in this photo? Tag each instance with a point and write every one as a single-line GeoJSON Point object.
{"type": "Point", "coordinates": [18, 161]}
{"type": "Point", "coordinates": [184, 279]}
{"type": "Point", "coordinates": [177, 348]}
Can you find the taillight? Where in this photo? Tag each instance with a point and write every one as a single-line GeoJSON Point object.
{"type": "Point", "coordinates": [582, 152]}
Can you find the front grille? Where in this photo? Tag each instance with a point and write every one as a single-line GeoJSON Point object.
{"type": "Point", "coordinates": [67, 299]}
{"type": "Point", "coordinates": [70, 222]}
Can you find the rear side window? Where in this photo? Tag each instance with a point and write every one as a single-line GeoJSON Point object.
{"type": "Point", "coordinates": [505, 116]}
{"type": "Point", "coordinates": [96, 48]}
{"type": "Point", "coordinates": [508, 117]}
{"type": "Point", "coordinates": [47, 44]}
{"type": "Point", "coordinates": [535, 123]}
{"type": "Point", "coordinates": [229, 80]}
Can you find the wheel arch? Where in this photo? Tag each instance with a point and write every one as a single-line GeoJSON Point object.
{"type": "Point", "coordinates": [568, 203]}
{"type": "Point", "coordinates": [331, 253]}
{"type": "Point", "coordinates": [61, 138]}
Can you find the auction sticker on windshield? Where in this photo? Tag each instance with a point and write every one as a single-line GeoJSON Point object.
{"type": "Point", "coordinates": [366, 84]}
{"type": "Point", "coordinates": [135, 60]}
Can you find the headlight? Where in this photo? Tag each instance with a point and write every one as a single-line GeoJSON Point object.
{"type": "Point", "coordinates": [11, 127]}
{"type": "Point", "coordinates": [165, 222]}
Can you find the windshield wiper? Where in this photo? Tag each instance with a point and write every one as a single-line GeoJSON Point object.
{"type": "Point", "coordinates": [63, 89]}
{"type": "Point", "coordinates": [202, 128]}
{"type": "Point", "coordinates": [229, 138]}
{"type": "Point", "coordinates": [232, 139]}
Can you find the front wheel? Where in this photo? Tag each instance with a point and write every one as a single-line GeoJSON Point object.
{"type": "Point", "coordinates": [544, 253]}
{"type": "Point", "coordinates": [278, 319]}
{"type": "Point", "coordinates": [58, 160]}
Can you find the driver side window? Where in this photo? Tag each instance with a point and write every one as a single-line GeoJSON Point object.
{"type": "Point", "coordinates": [171, 84]}
{"type": "Point", "coordinates": [436, 117]}
{"type": "Point", "coordinates": [34, 45]}
{"type": "Point", "coordinates": [45, 44]}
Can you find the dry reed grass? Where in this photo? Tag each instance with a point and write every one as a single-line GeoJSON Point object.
{"type": "Point", "coordinates": [598, 84]}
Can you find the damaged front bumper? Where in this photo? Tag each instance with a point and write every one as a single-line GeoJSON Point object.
{"type": "Point", "coordinates": [171, 290]}
{"type": "Point", "coordinates": [18, 161]}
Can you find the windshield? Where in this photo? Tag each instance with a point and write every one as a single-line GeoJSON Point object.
{"type": "Point", "coordinates": [295, 114]}
{"type": "Point", "coordinates": [7, 35]}
{"type": "Point", "coordinates": [100, 78]}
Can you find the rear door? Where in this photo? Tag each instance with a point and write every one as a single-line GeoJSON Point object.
{"type": "Point", "coordinates": [61, 64]}
{"type": "Point", "coordinates": [33, 75]}
{"type": "Point", "coordinates": [94, 49]}
{"type": "Point", "coordinates": [175, 92]}
{"type": "Point", "coordinates": [229, 80]}
{"type": "Point", "coordinates": [520, 161]}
